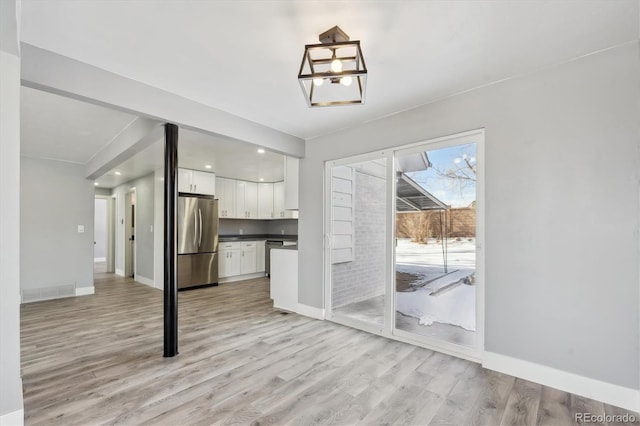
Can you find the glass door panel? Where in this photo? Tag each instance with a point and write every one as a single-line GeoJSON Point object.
{"type": "Point", "coordinates": [435, 253]}
{"type": "Point", "coordinates": [358, 232]}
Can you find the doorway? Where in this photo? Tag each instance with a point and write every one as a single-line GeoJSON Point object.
{"type": "Point", "coordinates": [100, 236]}
{"type": "Point", "coordinates": [404, 231]}
{"type": "Point", "coordinates": [130, 233]}
{"type": "Point", "coordinates": [104, 234]}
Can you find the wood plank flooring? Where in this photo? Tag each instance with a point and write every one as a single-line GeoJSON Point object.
{"type": "Point", "coordinates": [98, 360]}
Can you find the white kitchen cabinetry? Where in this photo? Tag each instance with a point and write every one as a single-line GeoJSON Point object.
{"type": "Point", "coordinates": [246, 200]}
{"type": "Point", "coordinates": [227, 197]}
{"type": "Point", "coordinates": [278, 203]}
{"type": "Point", "coordinates": [284, 279]}
{"type": "Point", "coordinates": [229, 259]}
{"type": "Point", "coordinates": [291, 167]}
{"type": "Point", "coordinates": [196, 182]}
{"type": "Point", "coordinates": [260, 252]}
{"type": "Point", "coordinates": [265, 201]}
{"type": "Point", "coordinates": [240, 260]}
{"type": "Point", "coordinates": [248, 261]}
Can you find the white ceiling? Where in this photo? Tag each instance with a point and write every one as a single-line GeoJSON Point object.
{"type": "Point", "coordinates": [243, 56]}
{"type": "Point", "coordinates": [60, 128]}
{"type": "Point", "coordinates": [195, 151]}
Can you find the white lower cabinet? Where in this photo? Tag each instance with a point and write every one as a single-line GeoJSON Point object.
{"type": "Point", "coordinates": [260, 247]}
{"type": "Point", "coordinates": [238, 258]}
{"type": "Point", "coordinates": [229, 259]}
{"type": "Point", "coordinates": [248, 263]}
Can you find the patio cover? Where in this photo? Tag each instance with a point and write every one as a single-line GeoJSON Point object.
{"type": "Point", "coordinates": [411, 197]}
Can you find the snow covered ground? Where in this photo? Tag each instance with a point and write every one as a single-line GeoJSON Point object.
{"type": "Point", "coordinates": [455, 302]}
{"type": "Point", "coordinates": [460, 253]}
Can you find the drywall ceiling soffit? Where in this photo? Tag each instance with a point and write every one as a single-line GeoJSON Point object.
{"type": "Point", "coordinates": [82, 81]}
{"type": "Point", "coordinates": [242, 57]}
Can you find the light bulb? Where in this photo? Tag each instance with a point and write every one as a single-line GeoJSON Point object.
{"type": "Point", "coordinates": [346, 81]}
{"type": "Point", "coordinates": [336, 65]}
{"type": "Point", "coordinates": [318, 81]}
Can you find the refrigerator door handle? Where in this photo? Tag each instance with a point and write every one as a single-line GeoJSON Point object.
{"type": "Point", "coordinates": [195, 228]}
{"type": "Point", "coordinates": [200, 238]}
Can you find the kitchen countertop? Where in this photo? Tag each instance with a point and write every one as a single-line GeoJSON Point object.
{"type": "Point", "coordinates": [253, 237]}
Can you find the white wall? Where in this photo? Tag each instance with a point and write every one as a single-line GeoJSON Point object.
{"type": "Point", "coordinates": [55, 199]}
{"type": "Point", "coordinates": [562, 209]}
{"type": "Point", "coordinates": [158, 236]}
{"type": "Point", "coordinates": [10, 380]}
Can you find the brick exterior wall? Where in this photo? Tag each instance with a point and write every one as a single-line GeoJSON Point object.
{"type": "Point", "coordinates": [421, 225]}
{"type": "Point", "coordinates": [363, 278]}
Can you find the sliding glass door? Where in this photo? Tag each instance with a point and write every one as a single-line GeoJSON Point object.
{"type": "Point", "coordinates": [404, 233]}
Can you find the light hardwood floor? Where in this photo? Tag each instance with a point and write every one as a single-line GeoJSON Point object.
{"type": "Point", "coordinates": [98, 360]}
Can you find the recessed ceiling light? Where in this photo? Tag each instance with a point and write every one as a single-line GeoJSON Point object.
{"type": "Point", "coordinates": [208, 166]}
{"type": "Point", "coordinates": [96, 183]}
{"type": "Point", "coordinates": [260, 151]}
{"type": "Point", "coordinates": [261, 179]}
{"type": "Point", "coordinates": [118, 173]}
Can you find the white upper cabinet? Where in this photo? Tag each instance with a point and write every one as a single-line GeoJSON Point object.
{"type": "Point", "coordinates": [241, 190]}
{"type": "Point", "coordinates": [251, 200]}
{"type": "Point", "coordinates": [291, 167]}
{"type": "Point", "coordinates": [227, 197]}
{"type": "Point", "coordinates": [241, 199]}
{"type": "Point", "coordinates": [279, 210]}
{"type": "Point", "coordinates": [278, 200]}
{"type": "Point", "coordinates": [184, 180]}
{"type": "Point", "coordinates": [246, 200]}
{"type": "Point", "coordinates": [265, 201]}
{"type": "Point", "coordinates": [196, 182]}
{"type": "Point", "coordinates": [203, 182]}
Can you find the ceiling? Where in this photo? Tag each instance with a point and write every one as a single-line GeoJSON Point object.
{"type": "Point", "coordinates": [59, 128]}
{"type": "Point", "coordinates": [195, 151]}
{"type": "Point", "coordinates": [243, 56]}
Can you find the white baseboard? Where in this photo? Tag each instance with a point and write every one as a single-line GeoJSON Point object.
{"type": "Point", "coordinates": [120, 272]}
{"type": "Point", "coordinates": [310, 311]}
{"type": "Point", "coordinates": [14, 418]}
{"type": "Point", "coordinates": [85, 291]}
{"type": "Point", "coordinates": [144, 280]}
{"type": "Point", "coordinates": [619, 396]}
{"type": "Point", "coordinates": [99, 259]}
{"type": "Point", "coordinates": [240, 277]}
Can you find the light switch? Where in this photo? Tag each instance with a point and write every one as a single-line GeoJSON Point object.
{"type": "Point", "coordinates": [150, 228]}
{"type": "Point", "coordinates": [80, 229]}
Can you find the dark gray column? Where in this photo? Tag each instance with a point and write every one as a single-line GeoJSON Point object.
{"type": "Point", "coordinates": [170, 240]}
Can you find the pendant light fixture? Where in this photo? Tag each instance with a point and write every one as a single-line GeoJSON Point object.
{"type": "Point", "coordinates": [333, 72]}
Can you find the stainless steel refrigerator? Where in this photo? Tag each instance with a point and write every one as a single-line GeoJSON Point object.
{"type": "Point", "coordinates": [197, 241]}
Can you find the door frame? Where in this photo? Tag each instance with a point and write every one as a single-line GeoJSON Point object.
{"type": "Point", "coordinates": [471, 353]}
{"type": "Point", "coordinates": [128, 250]}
